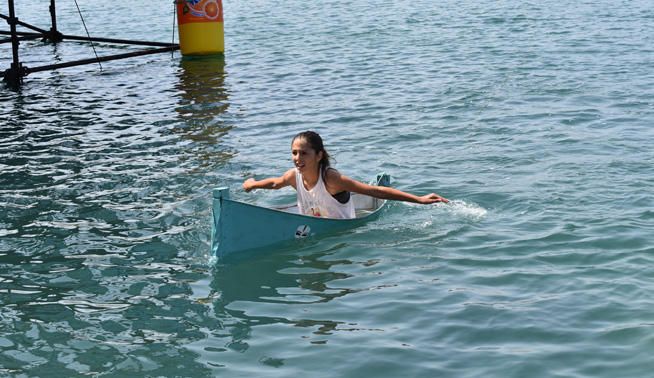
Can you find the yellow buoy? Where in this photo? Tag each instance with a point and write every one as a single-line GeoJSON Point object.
{"type": "Point", "coordinates": [201, 29]}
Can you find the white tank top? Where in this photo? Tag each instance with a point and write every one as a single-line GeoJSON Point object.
{"type": "Point", "coordinates": [319, 203]}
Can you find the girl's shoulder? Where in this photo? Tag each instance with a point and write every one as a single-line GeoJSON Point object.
{"type": "Point", "coordinates": [333, 179]}
{"type": "Point", "coordinates": [289, 177]}
{"type": "Point", "coordinates": [332, 173]}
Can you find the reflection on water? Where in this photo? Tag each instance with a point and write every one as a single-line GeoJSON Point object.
{"type": "Point", "coordinates": [202, 98]}
{"type": "Point", "coordinates": [263, 289]}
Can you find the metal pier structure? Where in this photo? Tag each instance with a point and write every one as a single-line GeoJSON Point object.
{"type": "Point", "coordinates": [13, 76]}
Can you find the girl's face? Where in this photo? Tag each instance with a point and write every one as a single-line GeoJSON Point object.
{"type": "Point", "coordinates": [305, 158]}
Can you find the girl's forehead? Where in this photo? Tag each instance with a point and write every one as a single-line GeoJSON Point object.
{"type": "Point", "coordinates": [300, 144]}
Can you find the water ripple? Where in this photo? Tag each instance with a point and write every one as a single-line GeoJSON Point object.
{"type": "Point", "coordinates": [535, 120]}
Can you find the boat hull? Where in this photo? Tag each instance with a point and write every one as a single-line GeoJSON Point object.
{"type": "Point", "coordinates": [239, 226]}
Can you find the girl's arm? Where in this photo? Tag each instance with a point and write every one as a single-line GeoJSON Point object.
{"type": "Point", "coordinates": [284, 180]}
{"type": "Point", "coordinates": [339, 183]}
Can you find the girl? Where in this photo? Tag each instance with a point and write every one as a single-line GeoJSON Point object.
{"type": "Point", "coordinates": [322, 191]}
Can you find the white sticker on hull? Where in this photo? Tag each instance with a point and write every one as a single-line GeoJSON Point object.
{"type": "Point", "coordinates": [302, 232]}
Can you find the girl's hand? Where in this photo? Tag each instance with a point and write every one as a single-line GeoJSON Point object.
{"type": "Point", "coordinates": [432, 198]}
{"type": "Point", "coordinates": [247, 184]}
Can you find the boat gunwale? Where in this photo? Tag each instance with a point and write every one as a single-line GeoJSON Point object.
{"type": "Point", "coordinates": [304, 216]}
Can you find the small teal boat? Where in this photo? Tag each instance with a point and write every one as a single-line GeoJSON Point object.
{"type": "Point", "coordinates": [239, 226]}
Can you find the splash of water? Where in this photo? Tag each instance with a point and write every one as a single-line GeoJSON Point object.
{"type": "Point", "coordinates": [456, 211]}
{"type": "Point", "coordinates": [462, 209]}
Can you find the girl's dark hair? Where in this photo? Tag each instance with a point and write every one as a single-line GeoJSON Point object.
{"type": "Point", "coordinates": [315, 142]}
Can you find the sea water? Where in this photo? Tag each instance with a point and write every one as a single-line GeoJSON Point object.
{"type": "Point", "coordinates": [533, 118]}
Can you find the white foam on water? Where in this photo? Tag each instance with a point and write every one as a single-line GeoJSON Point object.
{"type": "Point", "coordinates": [464, 210]}
{"type": "Point", "coordinates": [437, 216]}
